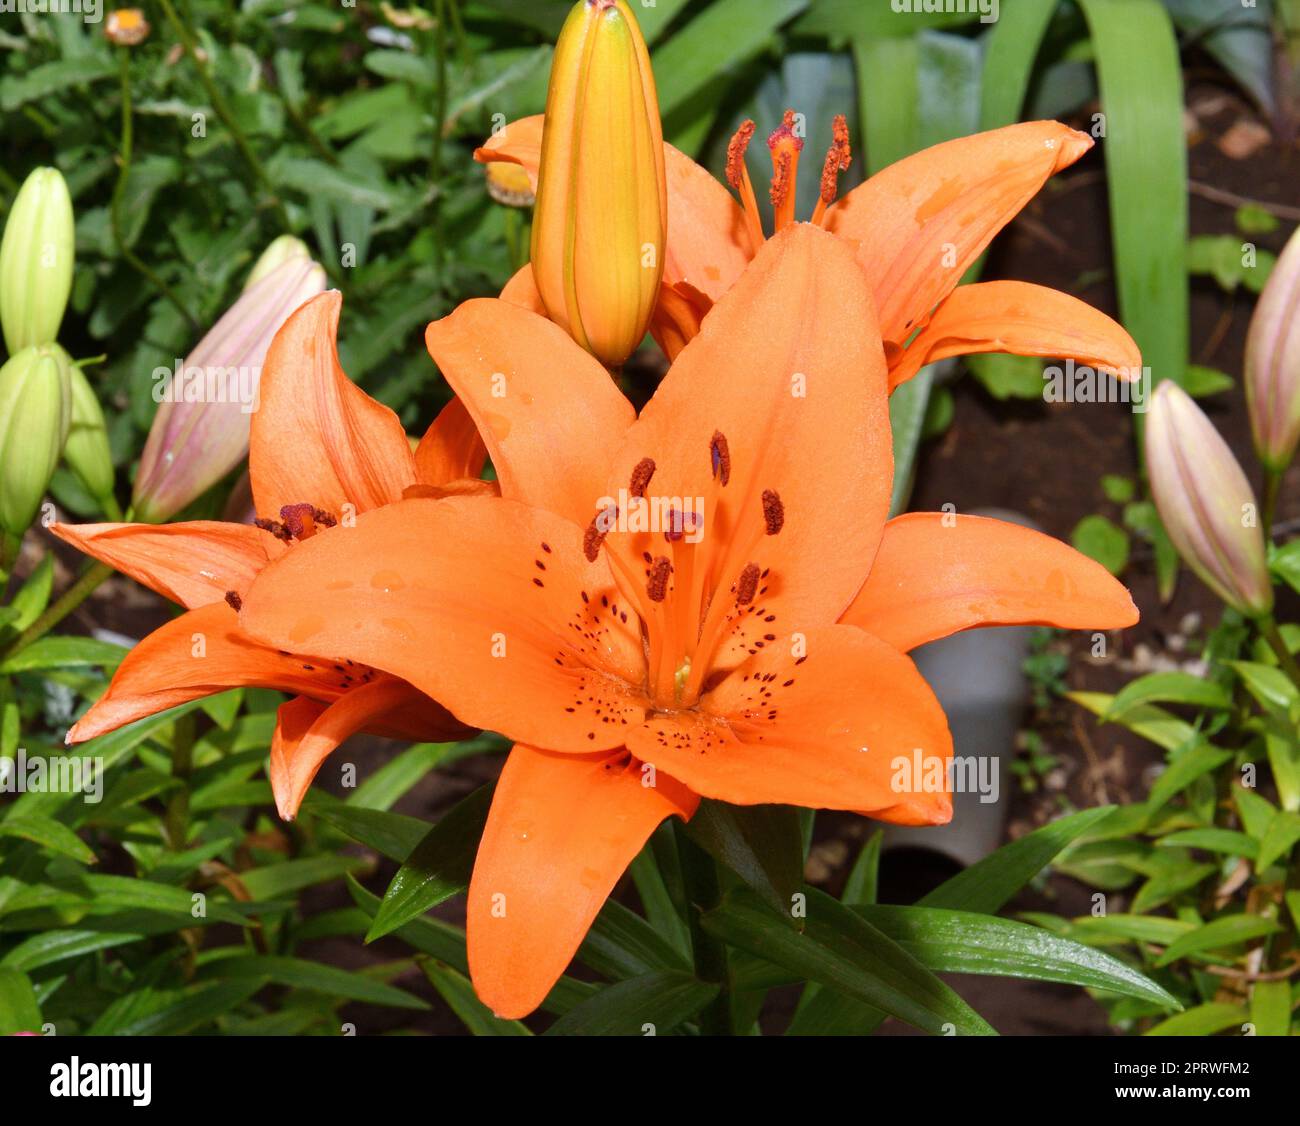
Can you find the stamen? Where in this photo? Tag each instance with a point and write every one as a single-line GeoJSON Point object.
{"type": "Point", "coordinates": [296, 517]}
{"type": "Point", "coordinates": [747, 585]}
{"type": "Point", "coordinates": [323, 518]}
{"type": "Point", "coordinates": [657, 581]}
{"type": "Point", "coordinates": [278, 530]}
{"type": "Point", "coordinates": [720, 453]}
{"type": "Point", "coordinates": [738, 178]}
{"type": "Point", "coordinates": [785, 147]}
{"type": "Point", "coordinates": [838, 158]}
{"type": "Point", "coordinates": [601, 525]}
{"type": "Point", "coordinates": [736, 148]}
{"type": "Point", "coordinates": [645, 469]}
{"type": "Point", "coordinates": [773, 511]}
{"type": "Point", "coordinates": [234, 601]}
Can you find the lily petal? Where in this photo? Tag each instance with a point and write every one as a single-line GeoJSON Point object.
{"type": "Point", "coordinates": [451, 448]}
{"type": "Point", "coordinates": [478, 602]}
{"type": "Point", "coordinates": [550, 414]}
{"type": "Point", "coordinates": [808, 389]}
{"type": "Point", "coordinates": [937, 574]}
{"type": "Point", "coordinates": [820, 726]}
{"type": "Point", "coordinates": [199, 654]}
{"type": "Point", "coordinates": [561, 831]}
{"type": "Point", "coordinates": [920, 223]}
{"type": "Point", "coordinates": [193, 563]}
{"type": "Point", "coordinates": [1026, 320]}
{"type": "Point", "coordinates": [317, 438]}
{"type": "Point", "coordinates": [306, 731]}
{"type": "Point", "coordinates": [522, 290]}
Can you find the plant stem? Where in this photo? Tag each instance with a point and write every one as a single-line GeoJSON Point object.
{"type": "Point", "coordinates": [700, 875]}
{"type": "Point", "coordinates": [119, 190]}
{"type": "Point", "coordinates": [1272, 483]}
{"type": "Point", "coordinates": [191, 46]}
{"type": "Point", "coordinates": [1269, 632]}
{"type": "Point", "coordinates": [71, 598]}
{"type": "Point", "coordinates": [176, 818]}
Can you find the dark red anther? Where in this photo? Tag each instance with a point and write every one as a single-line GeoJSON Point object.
{"type": "Point", "coordinates": [601, 525]}
{"type": "Point", "coordinates": [720, 455]}
{"type": "Point", "coordinates": [234, 601]}
{"type": "Point", "coordinates": [773, 511]}
{"type": "Point", "coordinates": [657, 581]}
{"type": "Point", "coordinates": [747, 585]}
{"type": "Point", "coordinates": [641, 475]}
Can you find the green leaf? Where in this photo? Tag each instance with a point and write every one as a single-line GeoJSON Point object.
{"type": "Point", "coordinates": [621, 944]}
{"type": "Point", "coordinates": [650, 1005]}
{"type": "Point", "coordinates": [837, 948]}
{"type": "Point", "coordinates": [131, 892]}
{"type": "Point", "coordinates": [760, 843]}
{"type": "Point", "coordinates": [864, 877]}
{"type": "Point", "coordinates": [1005, 376]}
{"type": "Point", "coordinates": [172, 1012]}
{"type": "Point", "coordinates": [19, 1011]}
{"type": "Point", "coordinates": [299, 973]}
{"type": "Point", "coordinates": [1201, 382]}
{"type": "Point", "coordinates": [438, 867]}
{"type": "Point", "coordinates": [1140, 76]}
{"type": "Point", "coordinates": [49, 834]}
{"type": "Point", "coordinates": [908, 407]}
{"type": "Point", "coordinates": [34, 595]}
{"type": "Point", "coordinates": [1163, 886]}
{"type": "Point", "coordinates": [1256, 812]}
{"type": "Point", "coordinates": [989, 883]}
{"type": "Point", "coordinates": [393, 834]}
{"type": "Point", "coordinates": [965, 942]}
{"type": "Point", "coordinates": [1103, 540]}
{"type": "Point", "coordinates": [1184, 768]}
{"type": "Point", "coordinates": [1285, 563]}
{"type": "Point", "coordinates": [1233, 930]}
{"type": "Point", "coordinates": [52, 78]}
{"type": "Point", "coordinates": [1167, 688]}
{"type": "Point", "coordinates": [52, 652]}
{"type": "Point", "coordinates": [1118, 490]}
{"type": "Point", "coordinates": [1270, 1008]}
{"type": "Point", "coordinates": [392, 780]}
{"type": "Point", "coordinates": [1280, 838]}
{"type": "Point", "coordinates": [1227, 841]}
{"type": "Point", "coordinates": [275, 880]}
{"type": "Point", "coordinates": [455, 989]}
{"type": "Point", "coordinates": [1155, 724]}
{"type": "Point", "coordinates": [1132, 928]}
{"type": "Point", "coordinates": [1270, 686]}
{"type": "Point", "coordinates": [1109, 864]}
{"type": "Point", "coordinates": [1204, 1020]}
{"type": "Point", "coordinates": [724, 34]}
{"type": "Point", "coordinates": [1012, 46]}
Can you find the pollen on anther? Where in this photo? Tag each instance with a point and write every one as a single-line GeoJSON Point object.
{"type": "Point", "coordinates": [736, 153]}
{"type": "Point", "coordinates": [234, 601]}
{"type": "Point", "coordinates": [747, 585]}
{"type": "Point", "coordinates": [773, 511]}
{"type": "Point", "coordinates": [720, 456]}
{"type": "Point", "coordinates": [641, 475]}
{"type": "Point", "coordinates": [597, 530]}
{"type": "Point", "coordinates": [657, 582]}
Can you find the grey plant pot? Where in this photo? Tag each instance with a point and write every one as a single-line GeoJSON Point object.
{"type": "Point", "coordinates": [979, 679]}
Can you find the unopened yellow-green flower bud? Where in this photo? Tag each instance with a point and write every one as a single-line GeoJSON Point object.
{"type": "Point", "coordinates": [86, 452]}
{"type": "Point", "coordinates": [602, 203]}
{"type": "Point", "coordinates": [35, 405]}
{"type": "Point", "coordinates": [284, 249]}
{"type": "Point", "coordinates": [36, 261]}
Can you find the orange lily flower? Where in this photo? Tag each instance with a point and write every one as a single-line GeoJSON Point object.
{"type": "Point", "coordinates": [637, 667]}
{"type": "Point", "coordinates": [321, 451]}
{"type": "Point", "coordinates": [915, 228]}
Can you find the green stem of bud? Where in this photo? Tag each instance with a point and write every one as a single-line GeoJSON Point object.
{"type": "Point", "coordinates": [1269, 632]}
{"type": "Point", "coordinates": [71, 598]}
{"type": "Point", "coordinates": [115, 205]}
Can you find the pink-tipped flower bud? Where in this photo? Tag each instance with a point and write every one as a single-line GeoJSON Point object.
{"type": "Point", "coordinates": [1206, 502]}
{"type": "Point", "coordinates": [1273, 362]}
{"type": "Point", "coordinates": [206, 402]}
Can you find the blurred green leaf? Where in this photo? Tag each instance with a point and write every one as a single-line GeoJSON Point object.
{"type": "Point", "coordinates": [760, 843]}
{"type": "Point", "coordinates": [456, 990]}
{"type": "Point", "coordinates": [652, 1005]}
